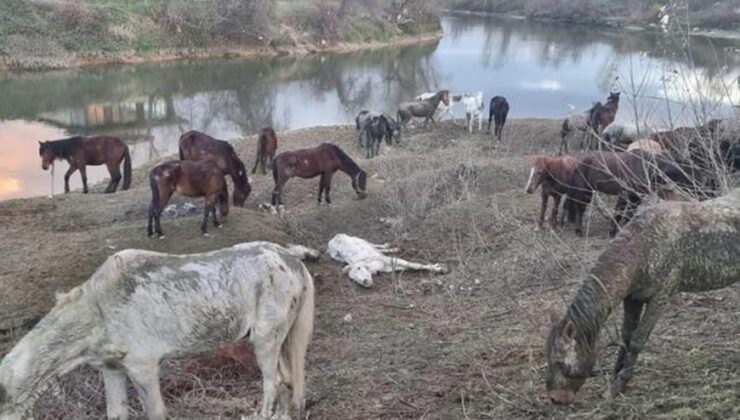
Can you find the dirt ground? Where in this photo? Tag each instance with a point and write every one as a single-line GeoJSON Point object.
{"type": "Point", "coordinates": [468, 344]}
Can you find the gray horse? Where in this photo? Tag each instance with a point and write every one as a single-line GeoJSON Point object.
{"type": "Point", "coordinates": [422, 109]}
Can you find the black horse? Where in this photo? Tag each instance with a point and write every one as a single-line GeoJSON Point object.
{"type": "Point", "coordinates": [499, 109]}
{"type": "Point", "coordinates": [375, 130]}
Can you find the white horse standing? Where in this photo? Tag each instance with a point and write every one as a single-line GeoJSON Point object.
{"type": "Point", "coordinates": [142, 306]}
{"type": "Point", "coordinates": [364, 259]}
{"type": "Point", "coordinates": [474, 106]}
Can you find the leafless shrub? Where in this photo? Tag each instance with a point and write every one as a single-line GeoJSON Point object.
{"type": "Point", "coordinates": [76, 16]}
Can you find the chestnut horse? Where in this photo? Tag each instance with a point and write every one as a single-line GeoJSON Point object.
{"type": "Point", "coordinates": [323, 160]}
{"type": "Point", "coordinates": [628, 175]}
{"type": "Point", "coordinates": [266, 148]}
{"type": "Point", "coordinates": [195, 145]}
{"type": "Point", "coordinates": [553, 173]}
{"type": "Point", "coordinates": [202, 178]}
{"type": "Point", "coordinates": [80, 152]}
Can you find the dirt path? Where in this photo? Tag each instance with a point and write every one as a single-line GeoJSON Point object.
{"type": "Point", "coordinates": [466, 344]}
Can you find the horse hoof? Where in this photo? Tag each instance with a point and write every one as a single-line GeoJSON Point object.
{"type": "Point", "coordinates": [161, 236]}
{"type": "Point", "coordinates": [206, 234]}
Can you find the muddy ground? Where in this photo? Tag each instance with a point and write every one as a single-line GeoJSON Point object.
{"type": "Point", "coordinates": [468, 344]}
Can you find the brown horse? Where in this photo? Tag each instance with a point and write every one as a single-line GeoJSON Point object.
{"type": "Point", "coordinates": [195, 145]}
{"type": "Point", "coordinates": [553, 173]}
{"type": "Point", "coordinates": [628, 175]}
{"type": "Point", "coordinates": [323, 160]}
{"type": "Point", "coordinates": [603, 115]}
{"type": "Point", "coordinates": [80, 152]}
{"type": "Point", "coordinates": [266, 148]}
{"type": "Point", "coordinates": [670, 248]}
{"type": "Point", "coordinates": [202, 178]}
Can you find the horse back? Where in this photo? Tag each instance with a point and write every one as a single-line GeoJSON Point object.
{"type": "Point", "coordinates": [100, 150]}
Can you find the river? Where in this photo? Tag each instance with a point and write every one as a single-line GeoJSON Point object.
{"type": "Point", "coordinates": [544, 69]}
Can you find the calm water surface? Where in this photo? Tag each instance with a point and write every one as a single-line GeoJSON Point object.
{"type": "Point", "coordinates": [543, 69]}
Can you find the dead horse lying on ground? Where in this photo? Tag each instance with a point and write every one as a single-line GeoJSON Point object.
{"type": "Point", "coordinates": [141, 306]}
{"type": "Point", "coordinates": [671, 247]}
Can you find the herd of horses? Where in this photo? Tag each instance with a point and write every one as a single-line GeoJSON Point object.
{"type": "Point", "coordinates": [279, 328]}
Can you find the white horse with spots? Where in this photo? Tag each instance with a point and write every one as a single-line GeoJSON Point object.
{"type": "Point", "coordinates": [364, 259]}
{"type": "Point", "coordinates": [474, 106]}
{"type": "Point", "coordinates": [141, 306]}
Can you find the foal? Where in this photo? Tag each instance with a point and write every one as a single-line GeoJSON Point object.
{"type": "Point", "coordinates": [201, 178]}
{"type": "Point", "coordinates": [323, 160]}
{"type": "Point", "coordinates": [266, 148]}
{"type": "Point", "coordinates": [553, 173]}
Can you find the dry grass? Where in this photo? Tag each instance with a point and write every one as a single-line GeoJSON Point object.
{"type": "Point", "coordinates": [463, 345]}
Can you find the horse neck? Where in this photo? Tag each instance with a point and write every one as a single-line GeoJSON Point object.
{"type": "Point", "coordinates": [436, 99]}
{"type": "Point", "coordinates": [350, 170]}
{"type": "Point", "coordinates": [52, 348]}
{"type": "Point", "coordinates": [608, 283]}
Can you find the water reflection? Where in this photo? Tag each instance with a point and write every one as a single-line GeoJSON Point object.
{"type": "Point", "coordinates": [541, 68]}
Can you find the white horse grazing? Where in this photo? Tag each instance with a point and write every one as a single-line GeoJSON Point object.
{"type": "Point", "coordinates": [142, 306]}
{"type": "Point", "coordinates": [474, 106]}
{"type": "Point", "coordinates": [442, 108]}
{"type": "Point", "coordinates": [364, 259]}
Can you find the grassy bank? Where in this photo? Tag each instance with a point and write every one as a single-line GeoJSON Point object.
{"type": "Point", "coordinates": [64, 33]}
{"type": "Point", "coordinates": [706, 15]}
{"type": "Point", "coordinates": [468, 344]}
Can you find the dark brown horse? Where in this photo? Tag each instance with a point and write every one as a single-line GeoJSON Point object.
{"type": "Point", "coordinates": [498, 110]}
{"type": "Point", "coordinates": [669, 248]}
{"type": "Point", "coordinates": [323, 160]}
{"type": "Point", "coordinates": [603, 115]}
{"type": "Point", "coordinates": [553, 173]}
{"type": "Point", "coordinates": [202, 178]}
{"type": "Point", "coordinates": [628, 175]}
{"type": "Point", "coordinates": [80, 152]}
{"type": "Point", "coordinates": [266, 148]}
{"type": "Point", "coordinates": [195, 145]}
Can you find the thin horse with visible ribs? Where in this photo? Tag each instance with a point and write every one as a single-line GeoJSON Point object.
{"type": "Point", "coordinates": [266, 147]}
{"type": "Point", "coordinates": [81, 151]}
{"type": "Point", "coordinates": [140, 307]}
{"type": "Point", "coordinates": [323, 160]}
{"type": "Point", "coordinates": [672, 247]}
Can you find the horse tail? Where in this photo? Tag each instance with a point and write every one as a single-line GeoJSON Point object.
{"type": "Point", "coordinates": [182, 152]}
{"type": "Point", "coordinates": [126, 167]}
{"type": "Point", "coordinates": [275, 171]}
{"type": "Point", "coordinates": [292, 362]}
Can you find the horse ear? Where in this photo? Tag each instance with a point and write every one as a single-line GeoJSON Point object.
{"type": "Point", "coordinates": [569, 330]}
{"type": "Point", "coordinates": [346, 269]}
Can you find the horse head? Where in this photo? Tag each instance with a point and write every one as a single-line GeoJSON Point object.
{"type": "Point", "coordinates": [569, 361]}
{"type": "Point", "coordinates": [537, 174]}
{"type": "Point", "coordinates": [359, 183]}
{"type": "Point", "coordinates": [241, 184]}
{"type": "Point", "coordinates": [613, 98]}
{"type": "Point", "coordinates": [445, 96]}
{"type": "Point", "coordinates": [360, 274]}
{"type": "Point", "coordinates": [47, 154]}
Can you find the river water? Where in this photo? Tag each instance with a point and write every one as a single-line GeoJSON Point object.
{"type": "Point", "coordinates": [544, 69]}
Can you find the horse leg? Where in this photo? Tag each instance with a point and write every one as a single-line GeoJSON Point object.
{"type": "Point", "coordinates": [653, 309]}
{"type": "Point", "coordinates": [208, 208]}
{"type": "Point", "coordinates": [267, 340]}
{"type": "Point", "coordinates": [163, 199]}
{"type": "Point", "coordinates": [115, 178]}
{"type": "Point", "coordinates": [145, 376]}
{"type": "Point", "coordinates": [632, 311]}
{"type": "Point", "coordinates": [277, 192]}
{"type": "Point", "coordinates": [322, 183]}
{"type": "Point", "coordinates": [256, 163]}
{"type": "Point", "coordinates": [618, 215]}
{"type": "Point", "coordinates": [68, 174]}
{"type": "Point", "coordinates": [397, 264]}
{"type": "Point", "coordinates": [543, 207]}
{"type": "Point", "coordinates": [83, 174]}
{"type": "Point", "coordinates": [327, 185]}
{"type": "Point", "coordinates": [116, 399]}
{"type": "Point", "coordinates": [554, 214]}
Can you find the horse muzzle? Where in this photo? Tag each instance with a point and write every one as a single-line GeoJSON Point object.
{"type": "Point", "coordinates": [561, 396]}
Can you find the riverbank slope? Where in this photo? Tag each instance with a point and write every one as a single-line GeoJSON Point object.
{"type": "Point", "coordinates": [468, 343]}
{"type": "Point", "coordinates": [43, 34]}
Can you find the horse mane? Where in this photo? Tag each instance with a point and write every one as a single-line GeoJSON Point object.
{"type": "Point", "coordinates": [344, 158]}
{"type": "Point", "coordinates": [65, 148]}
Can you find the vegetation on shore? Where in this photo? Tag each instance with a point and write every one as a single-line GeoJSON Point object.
{"type": "Point", "coordinates": [702, 14]}
{"type": "Point", "coordinates": [64, 33]}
